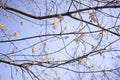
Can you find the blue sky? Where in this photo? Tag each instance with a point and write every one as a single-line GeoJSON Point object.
{"type": "Point", "coordinates": [74, 49]}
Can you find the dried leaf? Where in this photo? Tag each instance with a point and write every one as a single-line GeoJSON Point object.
{"type": "Point", "coordinates": [80, 28]}
{"type": "Point", "coordinates": [59, 37]}
{"type": "Point", "coordinates": [106, 32]}
{"type": "Point", "coordinates": [92, 67]}
{"type": "Point", "coordinates": [104, 73]}
{"type": "Point", "coordinates": [34, 49]}
{"type": "Point", "coordinates": [1, 26]}
{"type": "Point", "coordinates": [77, 40]}
{"type": "Point", "coordinates": [55, 24]}
{"type": "Point", "coordinates": [117, 1]}
{"type": "Point", "coordinates": [16, 33]}
{"type": "Point", "coordinates": [100, 52]}
{"type": "Point", "coordinates": [118, 28]}
{"type": "Point", "coordinates": [60, 17]}
{"type": "Point", "coordinates": [47, 58]}
{"type": "Point", "coordinates": [11, 61]}
{"type": "Point", "coordinates": [57, 78]}
{"type": "Point", "coordinates": [44, 43]}
{"type": "Point", "coordinates": [22, 23]}
{"type": "Point", "coordinates": [80, 61]}
{"type": "Point", "coordinates": [87, 57]}
{"type": "Point", "coordinates": [100, 34]}
{"type": "Point", "coordinates": [59, 59]}
{"type": "Point", "coordinates": [66, 26]}
{"type": "Point", "coordinates": [92, 47]}
{"type": "Point", "coordinates": [93, 16]}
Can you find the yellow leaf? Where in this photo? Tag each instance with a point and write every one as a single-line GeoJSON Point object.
{"type": "Point", "coordinates": [1, 25]}
{"type": "Point", "coordinates": [59, 59]}
{"type": "Point", "coordinates": [11, 61]}
{"type": "Point", "coordinates": [106, 32]}
{"type": "Point", "coordinates": [57, 78]}
{"type": "Point", "coordinates": [34, 48]}
{"type": "Point", "coordinates": [83, 36]}
{"type": "Point", "coordinates": [80, 28]}
{"type": "Point", "coordinates": [55, 24]}
{"type": "Point", "coordinates": [16, 33]}
{"type": "Point", "coordinates": [66, 26]}
{"type": "Point", "coordinates": [59, 37]}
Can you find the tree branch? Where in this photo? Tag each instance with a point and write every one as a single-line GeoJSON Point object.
{"type": "Point", "coordinates": [56, 15]}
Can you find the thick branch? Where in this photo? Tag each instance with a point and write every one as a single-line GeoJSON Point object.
{"type": "Point", "coordinates": [56, 15]}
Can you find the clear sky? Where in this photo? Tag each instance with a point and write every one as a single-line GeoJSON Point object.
{"type": "Point", "coordinates": [57, 48]}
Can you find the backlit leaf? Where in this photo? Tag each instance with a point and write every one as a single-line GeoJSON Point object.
{"type": "Point", "coordinates": [106, 32]}
{"type": "Point", "coordinates": [80, 28]}
{"type": "Point", "coordinates": [44, 43]}
{"type": "Point", "coordinates": [1, 25]}
{"type": "Point", "coordinates": [66, 26]}
{"type": "Point", "coordinates": [55, 24]}
{"type": "Point", "coordinates": [87, 57]}
{"type": "Point", "coordinates": [93, 16]}
{"type": "Point", "coordinates": [34, 48]}
{"type": "Point", "coordinates": [59, 59]}
{"type": "Point", "coordinates": [100, 52]}
{"type": "Point", "coordinates": [60, 17]}
{"type": "Point", "coordinates": [16, 33]}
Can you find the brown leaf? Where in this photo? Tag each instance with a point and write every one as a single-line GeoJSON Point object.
{"type": "Point", "coordinates": [1, 25]}
{"type": "Point", "coordinates": [55, 24]}
{"type": "Point", "coordinates": [22, 23]}
{"type": "Point", "coordinates": [16, 33]}
{"type": "Point", "coordinates": [118, 28]}
{"type": "Point", "coordinates": [34, 48]}
{"type": "Point", "coordinates": [80, 61]}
